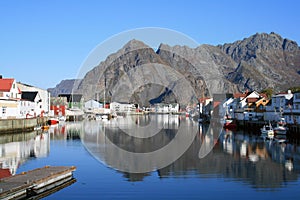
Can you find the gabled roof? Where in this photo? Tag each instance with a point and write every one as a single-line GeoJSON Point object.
{"type": "Point", "coordinates": [239, 95]}
{"type": "Point", "coordinates": [30, 96]}
{"type": "Point", "coordinates": [6, 84]}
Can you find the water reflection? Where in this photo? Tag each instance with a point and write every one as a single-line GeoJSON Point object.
{"type": "Point", "coordinates": [235, 155]}
{"type": "Point", "coordinates": [118, 147]}
{"type": "Point", "coordinates": [15, 149]}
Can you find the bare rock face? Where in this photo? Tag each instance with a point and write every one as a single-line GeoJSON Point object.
{"type": "Point", "coordinates": [272, 62]}
{"type": "Point", "coordinates": [136, 73]}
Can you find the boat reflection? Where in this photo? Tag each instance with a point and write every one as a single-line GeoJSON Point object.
{"type": "Point", "coordinates": [235, 155]}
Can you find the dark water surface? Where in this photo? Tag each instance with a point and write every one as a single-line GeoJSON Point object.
{"type": "Point", "coordinates": [237, 165]}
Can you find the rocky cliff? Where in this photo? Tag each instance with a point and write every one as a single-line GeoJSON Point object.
{"type": "Point", "coordinates": [137, 73]}
{"type": "Point", "coordinates": [64, 87]}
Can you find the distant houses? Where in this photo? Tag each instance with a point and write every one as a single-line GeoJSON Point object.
{"type": "Point", "coordinates": [18, 100]}
{"type": "Point", "coordinates": [254, 106]}
{"type": "Point", "coordinates": [291, 111]}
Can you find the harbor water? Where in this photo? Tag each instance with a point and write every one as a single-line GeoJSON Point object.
{"type": "Point", "coordinates": [158, 157]}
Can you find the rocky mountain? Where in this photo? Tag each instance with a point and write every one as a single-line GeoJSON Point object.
{"type": "Point", "coordinates": [137, 73]}
{"type": "Point", "coordinates": [264, 60]}
{"type": "Point", "coordinates": [64, 87]}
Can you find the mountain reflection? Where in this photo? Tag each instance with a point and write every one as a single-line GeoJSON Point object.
{"type": "Point", "coordinates": [235, 155]}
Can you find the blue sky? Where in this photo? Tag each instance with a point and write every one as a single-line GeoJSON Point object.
{"type": "Point", "coordinates": [43, 42]}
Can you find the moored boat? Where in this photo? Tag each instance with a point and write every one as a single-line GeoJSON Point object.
{"type": "Point", "coordinates": [267, 131]}
{"type": "Point", "coordinates": [229, 124]}
{"type": "Point", "coordinates": [280, 128]}
{"type": "Point", "coordinates": [53, 121]}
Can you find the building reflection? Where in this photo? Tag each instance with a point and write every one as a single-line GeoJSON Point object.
{"type": "Point", "coordinates": [235, 155]}
{"type": "Point", "coordinates": [15, 149]}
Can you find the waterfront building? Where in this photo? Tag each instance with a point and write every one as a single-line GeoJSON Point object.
{"type": "Point", "coordinates": [249, 106]}
{"type": "Point", "coordinates": [291, 112]}
{"type": "Point", "coordinates": [30, 105]}
{"type": "Point", "coordinates": [92, 106]}
{"type": "Point", "coordinates": [42, 100]}
{"type": "Point", "coordinates": [10, 95]}
{"type": "Point", "coordinates": [275, 108]}
{"type": "Point", "coordinates": [58, 106]}
{"type": "Point", "coordinates": [122, 107]}
{"type": "Point", "coordinates": [166, 108]}
{"type": "Point", "coordinates": [75, 101]}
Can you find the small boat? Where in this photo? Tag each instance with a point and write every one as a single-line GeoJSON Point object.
{"type": "Point", "coordinates": [105, 117]}
{"type": "Point", "coordinates": [53, 121]}
{"type": "Point", "coordinates": [267, 130]}
{"type": "Point", "coordinates": [280, 129]}
{"type": "Point", "coordinates": [45, 127]}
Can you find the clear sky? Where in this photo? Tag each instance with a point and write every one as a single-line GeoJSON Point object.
{"type": "Point", "coordinates": [43, 42]}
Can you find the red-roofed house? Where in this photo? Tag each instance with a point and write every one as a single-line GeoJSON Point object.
{"type": "Point", "coordinates": [9, 98]}
{"type": "Point", "coordinates": [9, 89]}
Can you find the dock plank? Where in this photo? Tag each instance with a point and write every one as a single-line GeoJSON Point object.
{"type": "Point", "coordinates": [19, 184]}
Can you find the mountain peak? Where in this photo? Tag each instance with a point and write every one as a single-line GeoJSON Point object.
{"type": "Point", "coordinates": [134, 44]}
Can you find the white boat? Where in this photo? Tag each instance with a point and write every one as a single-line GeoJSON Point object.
{"type": "Point", "coordinates": [267, 130]}
{"type": "Point", "coordinates": [281, 129]}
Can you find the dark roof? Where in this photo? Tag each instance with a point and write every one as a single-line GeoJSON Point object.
{"type": "Point", "coordinates": [30, 96]}
{"type": "Point", "coordinates": [221, 97]}
{"type": "Point", "coordinates": [72, 97]}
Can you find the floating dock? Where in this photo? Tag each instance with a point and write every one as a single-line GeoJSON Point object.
{"type": "Point", "coordinates": [37, 182]}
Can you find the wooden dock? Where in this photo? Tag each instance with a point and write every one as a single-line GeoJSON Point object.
{"type": "Point", "coordinates": [36, 182]}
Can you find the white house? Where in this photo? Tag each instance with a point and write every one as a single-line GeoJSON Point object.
{"type": "Point", "coordinates": [9, 98]}
{"type": "Point", "coordinates": [275, 110]}
{"type": "Point", "coordinates": [122, 107]}
{"type": "Point", "coordinates": [92, 105]}
{"type": "Point", "coordinates": [243, 110]}
{"type": "Point", "coordinates": [174, 108]}
{"type": "Point", "coordinates": [291, 112]}
{"type": "Point", "coordinates": [44, 95]}
{"type": "Point", "coordinates": [30, 105]}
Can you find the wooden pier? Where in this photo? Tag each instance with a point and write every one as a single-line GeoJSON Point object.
{"type": "Point", "coordinates": [37, 182]}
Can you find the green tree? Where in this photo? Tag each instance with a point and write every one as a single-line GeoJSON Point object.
{"type": "Point", "coordinates": [268, 92]}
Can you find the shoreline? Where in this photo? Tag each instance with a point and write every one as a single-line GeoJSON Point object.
{"type": "Point", "coordinates": [21, 125]}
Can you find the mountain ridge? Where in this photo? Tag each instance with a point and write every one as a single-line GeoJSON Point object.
{"type": "Point", "coordinates": [254, 63]}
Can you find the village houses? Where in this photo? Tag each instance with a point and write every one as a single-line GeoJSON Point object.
{"type": "Point", "coordinates": [19, 100]}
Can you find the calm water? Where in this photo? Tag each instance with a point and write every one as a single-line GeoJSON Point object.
{"type": "Point", "coordinates": [186, 161]}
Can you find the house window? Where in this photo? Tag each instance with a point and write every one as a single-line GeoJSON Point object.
{"type": "Point", "coordinates": [4, 110]}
